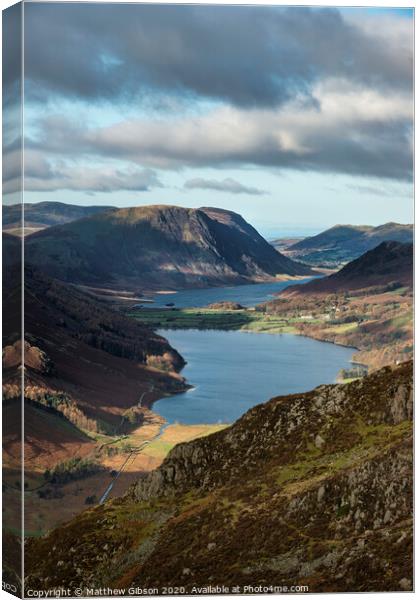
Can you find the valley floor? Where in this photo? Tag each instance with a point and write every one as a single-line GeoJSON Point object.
{"type": "Point", "coordinates": [49, 505]}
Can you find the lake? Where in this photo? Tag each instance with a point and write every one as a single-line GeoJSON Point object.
{"type": "Point", "coordinates": [247, 295]}
{"type": "Point", "coordinates": [234, 370]}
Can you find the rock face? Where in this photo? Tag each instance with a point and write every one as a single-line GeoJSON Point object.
{"type": "Point", "coordinates": [312, 489]}
{"type": "Point", "coordinates": [282, 429]}
{"type": "Point", "coordinates": [157, 246]}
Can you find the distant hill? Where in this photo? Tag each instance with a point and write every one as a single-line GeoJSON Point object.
{"type": "Point", "coordinates": [46, 214]}
{"type": "Point", "coordinates": [284, 243]}
{"type": "Point", "coordinates": [343, 243]}
{"type": "Point", "coordinates": [159, 246]}
{"type": "Point", "coordinates": [388, 263]}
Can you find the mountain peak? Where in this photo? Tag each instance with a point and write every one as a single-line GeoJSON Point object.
{"type": "Point", "coordinates": [159, 246]}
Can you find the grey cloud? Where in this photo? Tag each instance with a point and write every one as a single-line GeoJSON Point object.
{"type": "Point", "coordinates": [41, 176]}
{"type": "Point", "coordinates": [226, 185]}
{"type": "Point", "coordinates": [248, 56]}
{"type": "Point", "coordinates": [358, 133]}
{"type": "Point", "coordinates": [12, 54]}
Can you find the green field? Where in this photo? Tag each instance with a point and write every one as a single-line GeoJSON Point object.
{"type": "Point", "coordinates": [210, 318]}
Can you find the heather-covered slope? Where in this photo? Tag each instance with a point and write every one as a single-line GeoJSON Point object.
{"type": "Point", "coordinates": [158, 246]}
{"type": "Point", "coordinates": [312, 489]}
{"type": "Point", "coordinates": [343, 243]}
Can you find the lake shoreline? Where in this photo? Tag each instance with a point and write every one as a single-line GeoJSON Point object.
{"type": "Point", "coordinates": [201, 320]}
{"type": "Point", "coordinates": [233, 310]}
{"type": "Point", "coordinates": [226, 384]}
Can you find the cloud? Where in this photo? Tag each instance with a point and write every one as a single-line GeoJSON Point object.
{"type": "Point", "coordinates": [382, 192]}
{"type": "Point", "coordinates": [226, 185]}
{"type": "Point", "coordinates": [310, 89]}
{"type": "Point", "coordinates": [40, 176]}
{"type": "Point", "coordinates": [351, 130]}
{"type": "Point", "coordinates": [12, 55]}
{"type": "Point", "coordinates": [245, 56]}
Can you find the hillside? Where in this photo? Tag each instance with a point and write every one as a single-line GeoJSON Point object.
{"type": "Point", "coordinates": [12, 250]}
{"type": "Point", "coordinates": [343, 243]}
{"type": "Point", "coordinates": [77, 345]}
{"type": "Point", "coordinates": [390, 263]}
{"type": "Point", "coordinates": [157, 247]}
{"type": "Point", "coordinates": [90, 375]}
{"type": "Point", "coordinates": [367, 305]}
{"type": "Point", "coordinates": [312, 489]}
{"type": "Point", "coordinates": [41, 215]}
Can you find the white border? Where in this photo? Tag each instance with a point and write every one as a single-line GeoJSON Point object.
{"type": "Point", "coordinates": [367, 3]}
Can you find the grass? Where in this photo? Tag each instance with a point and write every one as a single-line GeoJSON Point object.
{"type": "Point", "coordinates": [207, 318]}
{"type": "Point", "coordinates": [187, 318]}
{"type": "Point", "coordinates": [315, 464]}
{"type": "Point", "coordinates": [176, 434]}
{"type": "Point", "coordinates": [403, 320]}
{"type": "Point", "coordinates": [400, 290]}
{"type": "Point", "coordinates": [343, 328]}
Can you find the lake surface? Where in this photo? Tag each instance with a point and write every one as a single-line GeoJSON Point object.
{"type": "Point", "coordinates": [234, 370]}
{"type": "Point", "coordinates": [247, 295]}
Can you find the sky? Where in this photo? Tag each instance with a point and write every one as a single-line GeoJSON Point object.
{"type": "Point", "coordinates": [297, 118]}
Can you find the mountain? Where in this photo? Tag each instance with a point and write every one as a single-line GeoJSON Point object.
{"type": "Point", "coordinates": [159, 246]}
{"type": "Point", "coordinates": [389, 264]}
{"type": "Point", "coordinates": [309, 489]}
{"type": "Point", "coordinates": [344, 243]}
{"type": "Point", "coordinates": [45, 214]}
{"type": "Point", "coordinates": [90, 375]}
{"type": "Point", "coordinates": [284, 243]}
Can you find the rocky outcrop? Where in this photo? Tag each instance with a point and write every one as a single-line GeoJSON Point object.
{"type": "Point", "coordinates": [312, 489]}
{"type": "Point", "coordinates": [327, 418]}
